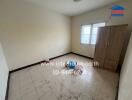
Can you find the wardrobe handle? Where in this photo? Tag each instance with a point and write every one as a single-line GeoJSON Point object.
{"type": "Point", "coordinates": [107, 44]}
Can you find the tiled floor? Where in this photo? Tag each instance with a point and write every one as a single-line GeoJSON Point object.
{"type": "Point", "coordinates": [42, 82]}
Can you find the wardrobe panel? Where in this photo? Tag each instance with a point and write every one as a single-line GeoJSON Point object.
{"type": "Point", "coordinates": [115, 44]}
{"type": "Point", "coordinates": [101, 46]}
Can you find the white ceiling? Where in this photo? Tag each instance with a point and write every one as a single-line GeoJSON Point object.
{"type": "Point", "coordinates": [68, 7]}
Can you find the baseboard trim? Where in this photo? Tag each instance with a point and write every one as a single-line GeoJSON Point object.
{"type": "Point", "coordinates": [7, 88]}
{"type": "Point", "coordinates": [59, 56]}
{"type": "Point", "coordinates": [21, 68]}
{"type": "Point", "coordinates": [82, 55]}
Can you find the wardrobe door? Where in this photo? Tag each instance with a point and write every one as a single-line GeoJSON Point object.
{"type": "Point", "coordinates": [100, 49]}
{"type": "Point", "coordinates": [114, 47]}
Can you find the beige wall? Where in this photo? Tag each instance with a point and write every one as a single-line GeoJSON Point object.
{"type": "Point", "coordinates": [30, 33]}
{"type": "Point", "coordinates": [96, 16]}
{"type": "Point", "coordinates": [125, 90]}
{"type": "Point", "coordinates": [3, 74]}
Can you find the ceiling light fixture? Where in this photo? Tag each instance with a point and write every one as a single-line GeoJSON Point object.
{"type": "Point", "coordinates": [76, 0]}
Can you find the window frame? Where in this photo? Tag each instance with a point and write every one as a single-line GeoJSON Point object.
{"type": "Point", "coordinates": [91, 32]}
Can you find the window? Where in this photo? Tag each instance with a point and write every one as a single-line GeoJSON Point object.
{"type": "Point", "coordinates": [89, 33]}
{"type": "Point", "coordinates": [85, 34]}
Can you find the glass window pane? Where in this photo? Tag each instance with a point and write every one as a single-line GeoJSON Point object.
{"type": "Point", "coordinates": [85, 34]}
{"type": "Point", "coordinates": [95, 32]}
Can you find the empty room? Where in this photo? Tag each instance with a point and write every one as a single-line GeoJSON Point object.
{"type": "Point", "coordinates": [65, 49]}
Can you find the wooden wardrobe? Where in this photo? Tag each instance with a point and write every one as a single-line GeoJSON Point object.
{"type": "Point", "coordinates": [109, 46]}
